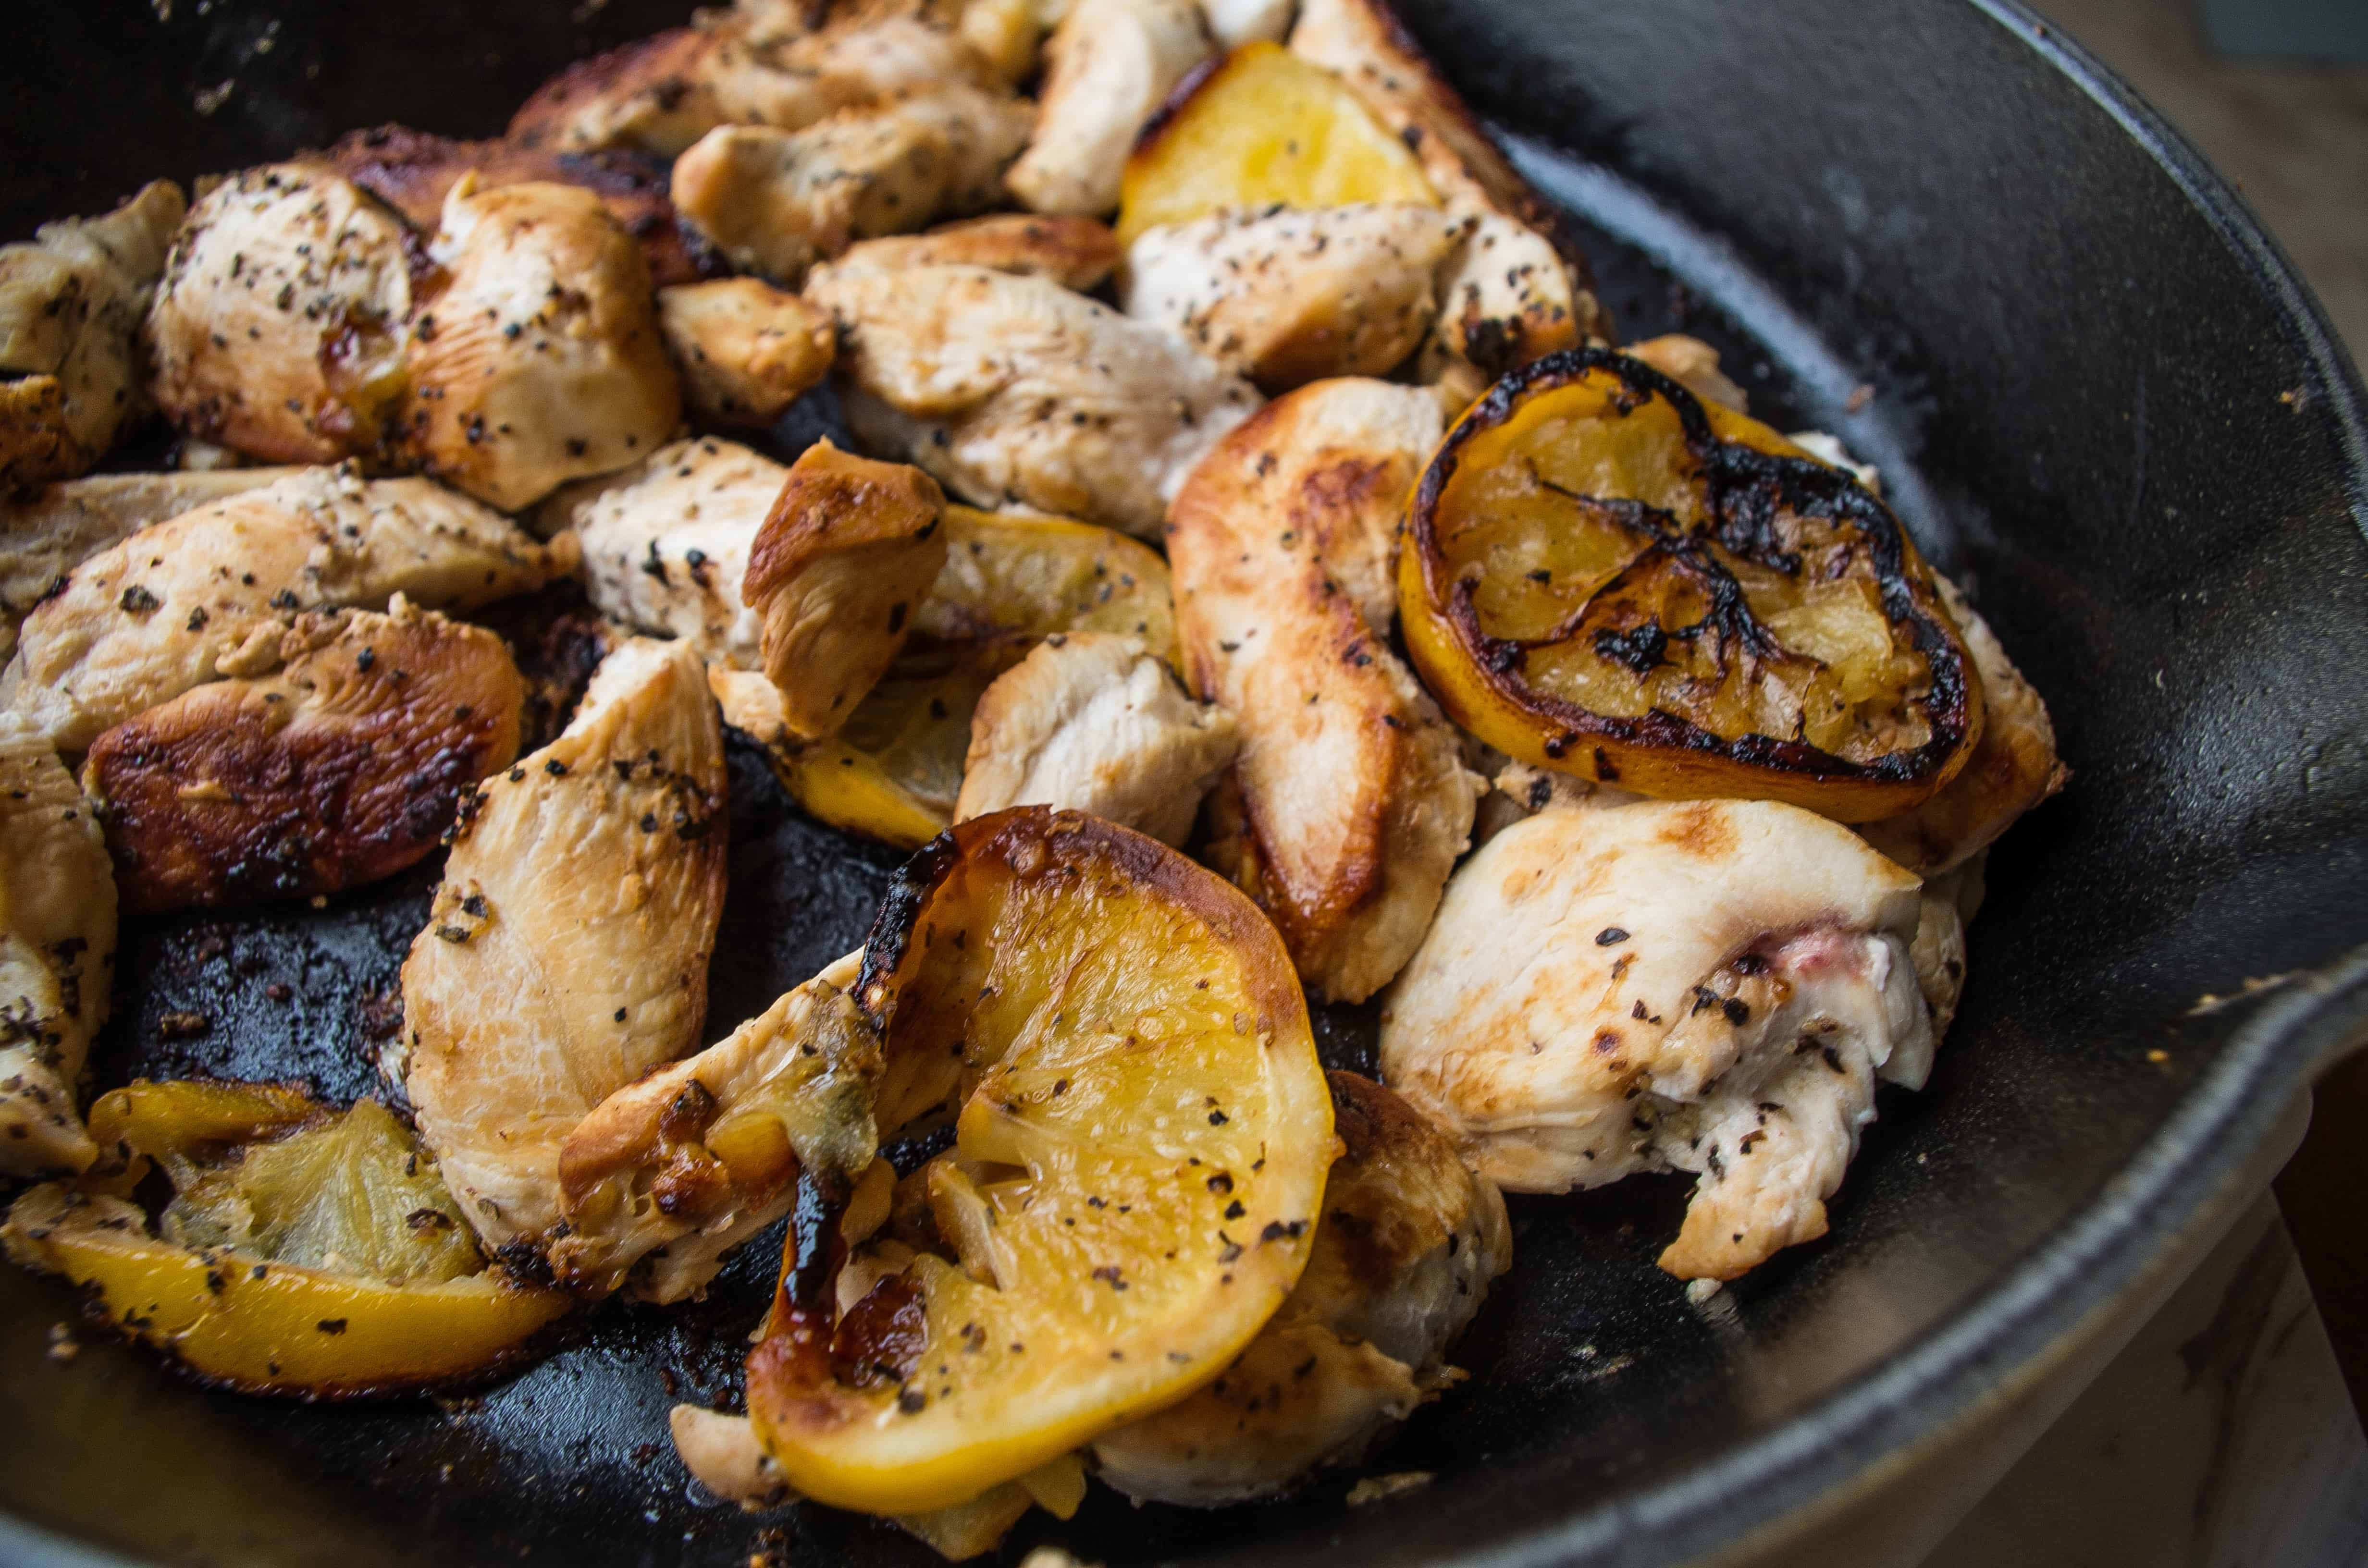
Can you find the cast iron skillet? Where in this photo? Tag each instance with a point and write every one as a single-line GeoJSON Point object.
{"type": "Point", "coordinates": [2100, 398]}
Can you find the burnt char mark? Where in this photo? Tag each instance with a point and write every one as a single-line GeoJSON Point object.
{"type": "Point", "coordinates": [881, 1338]}
{"type": "Point", "coordinates": [892, 928]}
{"type": "Point", "coordinates": [241, 792]}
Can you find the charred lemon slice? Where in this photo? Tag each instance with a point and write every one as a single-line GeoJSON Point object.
{"type": "Point", "coordinates": [1142, 1131]}
{"type": "Point", "coordinates": [1604, 576]}
{"type": "Point", "coordinates": [304, 1250]}
{"type": "Point", "coordinates": [893, 770]}
{"type": "Point", "coordinates": [1263, 128]}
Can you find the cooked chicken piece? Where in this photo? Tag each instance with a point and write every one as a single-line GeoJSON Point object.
{"type": "Point", "coordinates": [46, 533]}
{"type": "Point", "coordinates": [57, 954]}
{"type": "Point", "coordinates": [665, 92]}
{"type": "Point", "coordinates": [848, 550]}
{"type": "Point", "coordinates": [1091, 721]}
{"type": "Point", "coordinates": [343, 765]}
{"type": "Point", "coordinates": [70, 304]}
{"type": "Point", "coordinates": [1109, 65]}
{"type": "Point", "coordinates": [1015, 390]}
{"type": "Point", "coordinates": [1693, 365]}
{"type": "Point", "coordinates": [1508, 295]}
{"type": "Point", "coordinates": [1404, 1254]}
{"type": "Point", "coordinates": [1287, 297]}
{"type": "Point", "coordinates": [665, 543]}
{"type": "Point", "coordinates": [2014, 766]}
{"type": "Point", "coordinates": [566, 952]}
{"type": "Point", "coordinates": [208, 594]}
{"type": "Point", "coordinates": [1234, 23]}
{"type": "Point", "coordinates": [537, 358]}
{"type": "Point", "coordinates": [1350, 800]}
{"type": "Point", "coordinates": [777, 201]}
{"type": "Point", "coordinates": [278, 327]}
{"type": "Point", "coordinates": [1949, 902]}
{"type": "Point", "coordinates": [1505, 297]}
{"type": "Point", "coordinates": [1077, 253]}
{"type": "Point", "coordinates": [670, 1172]}
{"type": "Point", "coordinates": [748, 350]}
{"type": "Point", "coordinates": [413, 171]}
{"type": "Point", "coordinates": [1711, 986]}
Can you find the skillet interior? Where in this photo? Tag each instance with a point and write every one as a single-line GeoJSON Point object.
{"type": "Point", "coordinates": [2081, 365]}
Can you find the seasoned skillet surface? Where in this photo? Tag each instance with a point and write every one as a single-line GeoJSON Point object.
{"type": "Point", "coordinates": [2076, 398]}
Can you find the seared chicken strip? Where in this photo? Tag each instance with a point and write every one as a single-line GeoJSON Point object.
{"type": "Point", "coordinates": [70, 304]}
{"type": "Point", "coordinates": [566, 952]}
{"type": "Point", "coordinates": [2014, 766]}
{"type": "Point", "coordinates": [1109, 64]}
{"type": "Point", "coordinates": [46, 532]}
{"type": "Point", "coordinates": [1091, 721]}
{"type": "Point", "coordinates": [210, 593]}
{"type": "Point", "coordinates": [1408, 1242]}
{"type": "Point", "coordinates": [1350, 800]}
{"type": "Point", "coordinates": [413, 171]}
{"type": "Point", "coordinates": [278, 328]}
{"type": "Point", "coordinates": [665, 543]}
{"type": "Point", "coordinates": [537, 358]}
{"type": "Point", "coordinates": [1286, 296]}
{"type": "Point", "coordinates": [343, 765]}
{"type": "Point", "coordinates": [57, 954]}
{"type": "Point", "coordinates": [777, 201]}
{"type": "Point", "coordinates": [1077, 253]}
{"type": "Point", "coordinates": [1712, 987]}
{"type": "Point", "coordinates": [670, 1172]}
{"type": "Point", "coordinates": [665, 92]}
{"type": "Point", "coordinates": [1015, 390]}
{"type": "Point", "coordinates": [747, 350]}
{"type": "Point", "coordinates": [846, 555]}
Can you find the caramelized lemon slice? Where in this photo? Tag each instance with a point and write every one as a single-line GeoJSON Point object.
{"type": "Point", "coordinates": [1142, 1131]}
{"type": "Point", "coordinates": [1263, 128]}
{"type": "Point", "coordinates": [1605, 576]}
{"type": "Point", "coordinates": [1026, 574]}
{"type": "Point", "coordinates": [305, 1251]}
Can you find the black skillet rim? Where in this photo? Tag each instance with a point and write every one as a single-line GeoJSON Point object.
{"type": "Point", "coordinates": [2174, 1181]}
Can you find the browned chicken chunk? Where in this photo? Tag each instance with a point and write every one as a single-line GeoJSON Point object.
{"type": "Point", "coordinates": [343, 765]}
{"type": "Point", "coordinates": [746, 349]}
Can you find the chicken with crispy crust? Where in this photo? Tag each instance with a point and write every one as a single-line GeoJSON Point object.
{"type": "Point", "coordinates": [343, 764]}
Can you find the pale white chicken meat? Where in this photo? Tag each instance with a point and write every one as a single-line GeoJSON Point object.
{"type": "Point", "coordinates": [1711, 986]}
{"type": "Point", "coordinates": [1109, 65]}
{"type": "Point", "coordinates": [753, 65]}
{"type": "Point", "coordinates": [1092, 722]}
{"type": "Point", "coordinates": [537, 358]}
{"type": "Point", "coordinates": [278, 329]}
{"type": "Point", "coordinates": [1286, 296]}
{"type": "Point", "coordinates": [1350, 800]}
{"type": "Point", "coordinates": [1077, 253]}
{"type": "Point", "coordinates": [210, 593]}
{"type": "Point", "coordinates": [565, 954]}
{"type": "Point", "coordinates": [57, 954]}
{"type": "Point", "coordinates": [670, 1172]}
{"type": "Point", "coordinates": [1015, 390]}
{"type": "Point", "coordinates": [1408, 1242]}
{"type": "Point", "coordinates": [70, 304]}
{"type": "Point", "coordinates": [665, 543]}
{"type": "Point", "coordinates": [777, 201]}
{"type": "Point", "coordinates": [1234, 23]}
{"type": "Point", "coordinates": [747, 350]}
{"type": "Point", "coordinates": [47, 531]}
